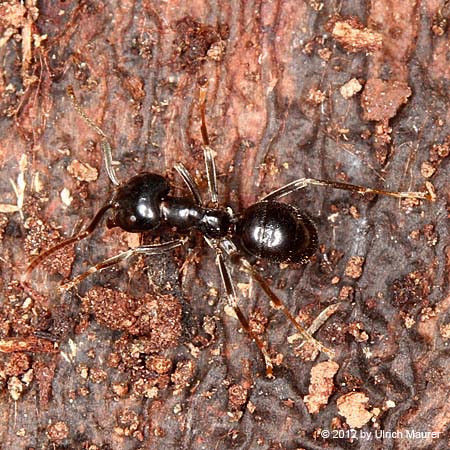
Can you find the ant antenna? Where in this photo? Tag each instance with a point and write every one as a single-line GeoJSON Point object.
{"type": "Point", "coordinates": [106, 147]}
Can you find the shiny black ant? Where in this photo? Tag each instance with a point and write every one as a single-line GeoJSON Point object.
{"type": "Point", "coordinates": [269, 229]}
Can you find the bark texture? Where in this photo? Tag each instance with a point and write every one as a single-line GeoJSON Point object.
{"type": "Point", "coordinates": [144, 355]}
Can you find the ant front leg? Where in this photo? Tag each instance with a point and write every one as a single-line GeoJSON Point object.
{"type": "Point", "coordinates": [303, 182]}
{"type": "Point", "coordinates": [83, 234]}
{"type": "Point", "coordinates": [106, 147]}
{"type": "Point", "coordinates": [208, 153]}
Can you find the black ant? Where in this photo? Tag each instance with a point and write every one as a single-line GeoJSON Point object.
{"type": "Point", "coordinates": [269, 229]}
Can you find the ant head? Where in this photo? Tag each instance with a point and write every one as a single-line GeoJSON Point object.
{"type": "Point", "coordinates": [136, 203]}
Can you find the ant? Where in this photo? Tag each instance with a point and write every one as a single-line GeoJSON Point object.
{"type": "Point", "coordinates": [268, 229]}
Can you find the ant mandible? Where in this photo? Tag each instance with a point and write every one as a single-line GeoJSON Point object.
{"type": "Point", "coordinates": [268, 229]}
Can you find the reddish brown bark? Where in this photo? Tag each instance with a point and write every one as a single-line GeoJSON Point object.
{"type": "Point", "coordinates": [91, 379]}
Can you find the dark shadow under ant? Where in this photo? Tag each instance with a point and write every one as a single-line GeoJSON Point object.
{"type": "Point", "coordinates": [268, 229]}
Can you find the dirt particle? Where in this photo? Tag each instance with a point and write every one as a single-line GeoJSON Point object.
{"type": "Point", "coordinates": [17, 364]}
{"type": "Point", "coordinates": [15, 388]}
{"type": "Point", "coordinates": [237, 396]}
{"type": "Point", "coordinates": [195, 42]}
{"type": "Point", "coordinates": [135, 87]}
{"type": "Point", "coordinates": [430, 234]}
{"type": "Point", "coordinates": [157, 317]}
{"type": "Point", "coordinates": [145, 388]}
{"type": "Point", "coordinates": [445, 331]}
{"type": "Point", "coordinates": [159, 364]}
{"type": "Point", "coordinates": [97, 375]}
{"type": "Point", "coordinates": [257, 322]}
{"type": "Point", "coordinates": [316, 96]}
{"type": "Point", "coordinates": [128, 423]}
{"type": "Point", "coordinates": [321, 385]}
{"type": "Point", "coordinates": [381, 99]}
{"type": "Point", "coordinates": [353, 211]}
{"type": "Point", "coordinates": [413, 288]}
{"type": "Point", "coordinates": [335, 280]}
{"type": "Point", "coordinates": [183, 374]}
{"type": "Point", "coordinates": [120, 389]}
{"type": "Point", "coordinates": [353, 407]}
{"type": "Point", "coordinates": [346, 293]}
{"type": "Point", "coordinates": [354, 267]}
{"type": "Point", "coordinates": [40, 237]}
{"type": "Point", "coordinates": [325, 53]}
{"type": "Point", "coordinates": [82, 171]}
{"type": "Point", "coordinates": [57, 431]}
{"type": "Point", "coordinates": [356, 329]}
{"type": "Point", "coordinates": [83, 370]}
{"type": "Point", "coordinates": [427, 169]}
{"type": "Point", "coordinates": [351, 34]}
{"type": "Point", "coordinates": [349, 89]}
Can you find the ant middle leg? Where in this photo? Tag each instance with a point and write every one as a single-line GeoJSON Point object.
{"type": "Point", "coordinates": [154, 249]}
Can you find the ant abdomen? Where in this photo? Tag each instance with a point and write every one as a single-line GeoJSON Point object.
{"type": "Point", "coordinates": [278, 232]}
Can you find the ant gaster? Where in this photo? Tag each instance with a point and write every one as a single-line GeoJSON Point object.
{"type": "Point", "coordinates": [269, 229]}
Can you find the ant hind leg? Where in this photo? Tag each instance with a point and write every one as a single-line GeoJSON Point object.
{"type": "Point", "coordinates": [232, 301]}
{"type": "Point", "coordinates": [303, 182]}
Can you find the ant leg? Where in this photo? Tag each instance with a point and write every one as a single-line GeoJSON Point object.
{"type": "Point", "coordinates": [86, 232]}
{"type": "Point", "coordinates": [141, 250]}
{"type": "Point", "coordinates": [106, 147]}
{"type": "Point", "coordinates": [232, 300]}
{"type": "Point", "coordinates": [203, 83]}
{"type": "Point", "coordinates": [208, 153]}
{"type": "Point", "coordinates": [277, 303]}
{"type": "Point", "coordinates": [211, 175]}
{"type": "Point", "coordinates": [190, 182]}
{"type": "Point", "coordinates": [303, 182]}
{"type": "Point", "coordinates": [317, 322]}
{"type": "Point", "coordinates": [230, 249]}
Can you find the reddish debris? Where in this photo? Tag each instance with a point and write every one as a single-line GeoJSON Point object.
{"type": "Point", "coordinates": [321, 385]}
{"type": "Point", "coordinates": [380, 100]}
{"type": "Point", "coordinates": [57, 431]}
{"type": "Point", "coordinates": [195, 42]}
{"type": "Point", "coordinates": [354, 267]}
{"type": "Point", "coordinates": [353, 407]}
{"type": "Point", "coordinates": [157, 317]}
{"type": "Point", "coordinates": [237, 396]}
{"type": "Point", "coordinates": [351, 34]}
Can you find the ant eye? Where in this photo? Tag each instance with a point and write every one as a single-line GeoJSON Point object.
{"type": "Point", "coordinates": [132, 219]}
